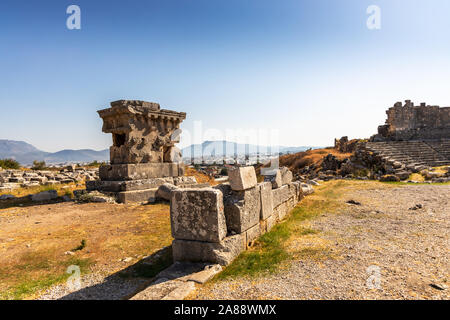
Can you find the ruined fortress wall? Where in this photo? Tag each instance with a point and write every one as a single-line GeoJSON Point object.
{"type": "Point", "coordinates": [409, 122]}
{"type": "Point", "coordinates": [215, 224]}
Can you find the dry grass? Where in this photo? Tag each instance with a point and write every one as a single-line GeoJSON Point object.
{"type": "Point", "coordinates": [296, 161]}
{"type": "Point", "coordinates": [416, 177]}
{"type": "Point", "coordinates": [34, 240]}
{"type": "Point", "coordinates": [294, 238]}
{"type": "Point", "coordinates": [201, 178]}
{"type": "Point", "coordinates": [62, 189]}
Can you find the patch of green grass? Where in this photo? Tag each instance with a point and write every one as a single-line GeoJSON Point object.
{"type": "Point", "coordinates": [269, 251]}
{"type": "Point", "coordinates": [28, 285]}
{"type": "Point", "coordinates": [81, 246]}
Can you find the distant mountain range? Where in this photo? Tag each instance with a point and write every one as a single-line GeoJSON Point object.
{"type": "Point", "coordinates": [219, 148]}
{"type": "Point", "coordinates": [25, 154]}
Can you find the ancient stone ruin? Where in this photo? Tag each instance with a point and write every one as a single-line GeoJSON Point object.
{"type": "Point", "coordinates": [409, 122]}
{"type": "Point", "coordinates": [215, 224]}
{"type": "Point", "coordinates": [413, 139]}
{"type": "Point", "coordinates": [143, 155]}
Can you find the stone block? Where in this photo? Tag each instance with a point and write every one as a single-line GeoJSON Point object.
{"type": "Point", "coordinates": [45, 195]}
{"type": "Point", "coordinates": [306, 189]}
{"type": "Point", "coordinates": [272, 221]}
{"type": "Point", "coordinates": [276, 179]}
{"type": "Point", "coordinates": [266, 200]}
{"type": "Point", "coordinates": [286, 175]}
{"type": "Point", "coordinates": [146, 195]}
{"type": "Point", "coordinates": [282, 210]}
{"type": "Point", "coordinates": [115, 172]}
{"type": "Point", "coordinates": [127, 185]}
{"type": "Point", "coordinates": [252, 234]}
{"type": "Point", "coordinates": [222, 252]}
{"type": "Point", "coordinates": [280, 195]}
{"type": "Point", "coordinates": [198, 214]}
{"type": "Point", "coordinates": [242, 208]}
{"type": "Point", "coordinates": [242, 178]}
{"type": "Point", "coordinates": [164, 191]}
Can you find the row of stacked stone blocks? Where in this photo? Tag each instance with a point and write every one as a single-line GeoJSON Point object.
{"type": "Point", "coordinates": [215, 224]}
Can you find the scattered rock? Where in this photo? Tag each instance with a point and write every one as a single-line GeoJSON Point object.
{"type": "Point", "coordinates": [7, 197]}
{"type": "Point", "coordinates": [416, 207]}
{"type": "Point", "coordinates": [439, 286]}
{"type": "Point", "coordinates": [354, 202]}
{"type": "Point", "coordinates": [44, 196]}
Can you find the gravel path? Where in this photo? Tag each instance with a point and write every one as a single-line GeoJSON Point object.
{"type": "Point", "coordinates": [380, 249]}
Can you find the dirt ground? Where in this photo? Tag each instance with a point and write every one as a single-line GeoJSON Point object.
{"type": "Point", "coordinates": [378, 249]}
{"type": "Point", "coordinates": [381, 248]}
{"type": "Point", "coordinates": [34, 241]}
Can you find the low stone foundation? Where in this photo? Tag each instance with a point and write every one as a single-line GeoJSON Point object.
{"type": "Point", "coordinates": [215, 224]}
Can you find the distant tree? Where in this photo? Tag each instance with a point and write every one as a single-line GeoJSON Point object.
{"type": "Point", "coordinates": [38, 165]}
{"type": "Point", "coordinates": [9, 164]}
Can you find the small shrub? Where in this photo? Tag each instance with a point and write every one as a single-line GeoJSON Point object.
{"type": "Point", "coordinates": [81, 246]}
{"type": "Point", "coordinates": [9, 164]}
{"type": "Point", "coordinates": [38, 165]}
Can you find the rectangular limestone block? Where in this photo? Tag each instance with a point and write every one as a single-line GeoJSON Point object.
{"type": "Point", "coordinates": [242, 178]}
{"type": "Point", "coordinates": [126, 185]}
{"type": "Point", "coordinates": [280, 195]}
{"type": "Point", "coordinates": [272, 221]}
{"type": "Point", "coordinates": [197, 214]}
{"type": "Point", "coordinates": [252, 234]}
{"type": "Point", "coordinates": [242, 208]}
{"type": "Point", "coordinates": [222, 252]}
{"type": "Point", "coordinates": [115, 172]}
{"type": "Point", "coordinates": [296, 188]}
{"type": "Point", "coordinates": [266, 200]}
{"type": "Point", "coordinates": [286, 176]}
{"type": "Point", "coordinates": [147, 195]}
{"type": "Point", "coordinates": [283, 194]}
{"type": "Point", "coordinates": [282, 210]}
{"type": "Point", "coordinates": [275, 179]}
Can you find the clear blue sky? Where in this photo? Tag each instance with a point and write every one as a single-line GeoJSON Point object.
{"type": "Point", "coordinates": [310, 69]}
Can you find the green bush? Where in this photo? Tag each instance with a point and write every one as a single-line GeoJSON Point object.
{"type": "Point", "coordinates": [38, 165]}
{"type": "Point", "coordinates": [9, 164]}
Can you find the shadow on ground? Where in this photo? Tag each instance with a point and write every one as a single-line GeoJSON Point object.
{"type": "Point", "coordinates": [128, 282]}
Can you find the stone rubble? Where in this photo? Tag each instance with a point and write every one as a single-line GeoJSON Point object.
{"type": "Point", "coordinates": [13, 179]}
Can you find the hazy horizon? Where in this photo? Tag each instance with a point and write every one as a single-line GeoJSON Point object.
{"type": "Point", "coordinates": [311, 70]}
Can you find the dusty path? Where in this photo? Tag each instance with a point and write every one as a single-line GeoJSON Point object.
{"type": "Point", "coordinates": [409, 249]}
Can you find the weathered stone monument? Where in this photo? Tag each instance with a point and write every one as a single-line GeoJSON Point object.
{"type": "Point", "coordinates": [406, 122]}
{"type": "Point", "coordinates": [143, 155]}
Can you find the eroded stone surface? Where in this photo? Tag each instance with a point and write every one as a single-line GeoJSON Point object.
{"type": "Point", "coordinates": [266, 199]}
{"type": "Point", "coordinates": [142, 132]}
{"type": "Point", "coordinates": [242, 178]}
{"type": "Point", "coordinates": [198, 214]}
{"type": "Point", "coordinates": [222, 252]}
{"type": "Point", "coordinates": [242, 208]}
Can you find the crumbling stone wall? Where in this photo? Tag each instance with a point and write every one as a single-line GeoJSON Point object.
{"type": "Point", "coordinates": [215, 224]}
{"type": "Point", "coordinates": [410, 122]}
